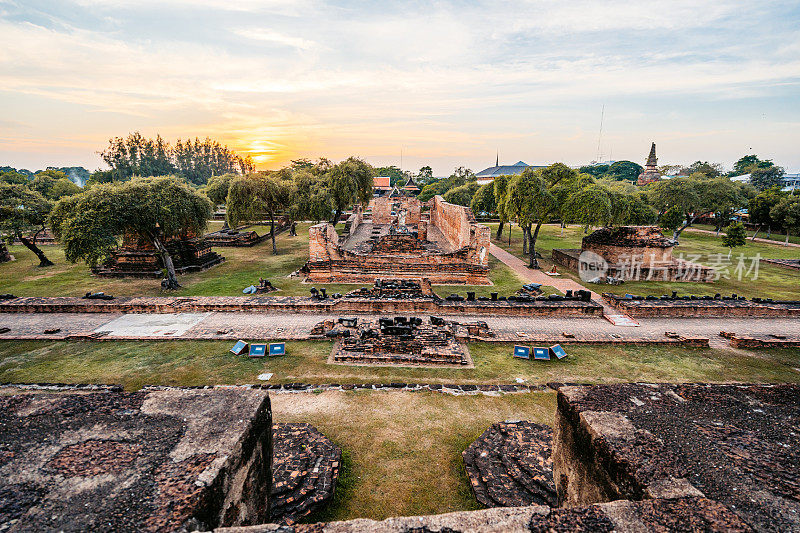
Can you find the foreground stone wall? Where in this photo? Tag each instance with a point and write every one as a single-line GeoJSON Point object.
{"type": "Point", "coordinates": [706, 308]}
{"type": "Point", "coordinates": [299, 304]}
{"type": "Point", "coordinates": [154, 460]}
{"type": "Point", "coordinates": [735, 444]}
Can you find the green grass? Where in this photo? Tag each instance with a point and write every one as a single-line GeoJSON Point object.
{"type": "Point", "coordinates": [775, 236]}
{"type": "Point", "coordinates": [184, 363]}
{"type": "Point", "coordinates": [243, 267]}
{"type": "Point", "coordinates": [773, 281]}
{"type": "Point", "coordinates": [402, 451]}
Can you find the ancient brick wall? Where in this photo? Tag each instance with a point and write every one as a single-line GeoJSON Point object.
{"type": "Point", "coordinates": [323, 243]}
{"type": "Point", "coordinates": [702, 308]}
{"type": "Point", "coordinates": [452, 220]}
{"type": "Point", "coordinates": [382, 209]}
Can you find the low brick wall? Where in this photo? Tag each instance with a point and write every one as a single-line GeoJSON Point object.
{"type": "Point", "coordinates": [641, 308]}
{"type": "Point", "coordinates": [299, 304]}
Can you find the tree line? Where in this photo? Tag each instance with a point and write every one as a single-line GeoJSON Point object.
{"type": "Point", "coordinates": [195, 161]}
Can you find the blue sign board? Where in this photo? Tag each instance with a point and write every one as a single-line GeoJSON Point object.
{"type": "Point", "coordinates": [277, 348]}
{"type": "Point", "coordinates": [258, 350]}
{"type": "Point", "coordinates": [541, 354]}
{"type": "Point", "coordinates": [239, 348]}
{"type": "Point", "coordinates": [558, 351]}
{"type": "Point", "coordinates": [522, 352]}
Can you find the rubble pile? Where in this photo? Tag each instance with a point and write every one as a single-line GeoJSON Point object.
{"type": "Point", "coordinates": [305, 467]}
{"type": "Point", "coordinates": [510, 465]}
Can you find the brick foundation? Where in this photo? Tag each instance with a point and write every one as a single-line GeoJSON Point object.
{"type": "Point", "coordinates": [445, 245]}
{"type": "Point", "coordinates": [702, 308]}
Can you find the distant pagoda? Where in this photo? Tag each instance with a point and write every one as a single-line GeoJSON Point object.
{"type": "Point", "coordinates": [650, 173]}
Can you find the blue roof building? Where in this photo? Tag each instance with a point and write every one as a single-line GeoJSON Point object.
{"type": "Point", "coordinates": [488, 175]}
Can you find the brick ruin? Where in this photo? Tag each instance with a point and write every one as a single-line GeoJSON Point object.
{"type": "Point", "coordinates": [692, 306]}
{"type": "Point", "coordinates": [734, 444]}
{"type": "Point", "coordinates": [633, 253]}
{"type": "Point", "coordinates": [153, 460]}
{"type": "Point", "coordinates": [242, 237]}
{"type": "Point", "coordinates": [138, 258]}
{"type": "Point", "coordinates": [399, 341]}
{"type": "Point", "coordinates": [403, 238]}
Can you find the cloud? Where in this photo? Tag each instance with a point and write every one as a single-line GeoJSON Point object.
{"type": "Point", "coordinates": [270, 36]}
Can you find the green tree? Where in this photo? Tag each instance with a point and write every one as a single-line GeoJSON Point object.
{"type": "Point", "coordinates": [763, 178]}
{"type": "Point", "coordinates": [500, 184]}
{"type": "Point", "coordinates": [424, 176]}
{"type": "Point", "coordinates": [747, 164]}
{"type": "Point", "coordinates": [735, 235]}
{"type": "Point", "coordinates": [12, 176]}
{"type": "Point", "coordinates": [696, 196]}
{"type": "Point", "coordinates": [463, 194]}
{"type": "Point", "coordinates": [786, 215]}
{"type": "Point", "coordinates": [535, 196]}
{"type": "Point", "coordinates": [596, 171]}
{"type": "Point", "coordinates": [671, 219]}
{"type": "Point", "coordinates": [624, 171]}
{"type": "Point", "coordinates": [459, 177]}
{"type": "Point", "coordinates": [483, 202]}
{"type": "Point", "coordinates": [349, 182]}
{"type": "Point", "coordinates": [254, 195]}
{"type": "Point", "coordinates": [63, 187]}
{"type": "Point", "coordinates": [588, 207]}
{"type": "Point", "coordinates": [708, 170]}
{"type": "Point", "coordinates": [90, 224]}
{"type": "Point", "coordinates": [629, 208]}
{"type": "Point", "coordinates": [24, 211]}
{"type": "Point", "coordinates": [759, 207]}
{"type": "Point", "coordinates": [312, 199]}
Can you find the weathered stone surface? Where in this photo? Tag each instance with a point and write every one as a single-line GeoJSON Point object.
{"type": "Point", "coordinates": [682, 515]}
{"type": "Point", "coordinates": [635, 253]}
{"type": "Point", "coordinates": [510, 465]}
{"type": "Point", "coordinates": [736, 444]}
{"type": "Point", "coordinates": [444, 244]}
{"type": "Point", "coordinates": [305, 467]}
{"type": "Point", "coordinates": [154, 460]}
{"type": "Point", "coordinates": [702, 307]}
{"type": "Point", "coordinates": [138, 258]}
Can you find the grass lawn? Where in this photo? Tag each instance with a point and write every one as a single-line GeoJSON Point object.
{"type": "Point", "coordinates": [773, 281]}
{"type": "Point", "coordinates": [243, 267]}
{"type": "Point", "coordinates": [403, 450]}
{"type": "Point", "coordinates": [182, 363]}
{"type": "Point", "coordinates": [775, 236]}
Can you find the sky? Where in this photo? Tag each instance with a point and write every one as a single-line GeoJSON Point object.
{"type": "Point", "coordinates": [444, 84]}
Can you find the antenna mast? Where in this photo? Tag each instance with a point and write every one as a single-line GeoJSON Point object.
{"type": "Point", "coordinates": [600, 137]}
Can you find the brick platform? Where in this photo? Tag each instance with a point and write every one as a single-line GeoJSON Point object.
{"type": "Point", "coordinates": [154, 460]}
{"type": "Point", "coordinates": [735, 444]}
{"type": "Point", "coordinates": [444, 244]}
{"type": "Point", "coordinates": [793, 264]}
{"type": "Point", "coordinates": [509, 465]}
{"type": "Point", "coordinates": [305, 467]}
{"type": "Point", "coordinates": [702, 307]}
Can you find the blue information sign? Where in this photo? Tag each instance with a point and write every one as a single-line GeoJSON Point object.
{"type": "Point", "coordinates": [542, 354]}
{"type": "Point", "coordinates": [258, 350]}
{"type": "Point", "coordinates": [277, 348]}
{"type": "Point", "coordinates": [523, 352]}
{"type": "Point", "coordinates": [558, 351]}
{"type": "Point", "coordinates": [239, 348]}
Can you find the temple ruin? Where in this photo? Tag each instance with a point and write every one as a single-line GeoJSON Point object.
{"type": "Point", "coordinates": [138, 258]}
{"type": "Point", "coordinates": [650, 173]}
{"type": "Point", "coordinates": [631, 253]}
{"type": "Point", "coordinates": [402, 238]}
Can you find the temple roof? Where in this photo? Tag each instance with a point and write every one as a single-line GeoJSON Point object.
{"type": "Point", "coordinates": [651, 159]}
{"type": "Point", "coordinates": [505, 170]}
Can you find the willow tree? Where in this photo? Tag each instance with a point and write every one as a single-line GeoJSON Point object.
{"type": "Point", "coordinates": [253, 196]}
{"type": "Point", "coordinates": [91, 224]}
{"type": "Point", "coordinates": [536, 196]}
{"type": "Point", "coordinates": [349, 182]}
{"type": "Point", "coordinates": [23, 215]}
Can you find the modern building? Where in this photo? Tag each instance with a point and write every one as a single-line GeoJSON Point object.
{"type": "Point", "coordinates": [489, 174]}
{"type": "Point", "coordinates": [789, 182]}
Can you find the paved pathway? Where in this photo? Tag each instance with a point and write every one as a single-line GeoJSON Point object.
{"type": "Point", "coordinates": [562, 284]}
{"type": "Point", "coordinates": [231, 325]}
{"type": "Point", "coordinates": [758, 239]}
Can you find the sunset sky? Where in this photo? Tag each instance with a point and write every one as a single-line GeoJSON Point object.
{"type": "Point", "coordinates": [448, 83]}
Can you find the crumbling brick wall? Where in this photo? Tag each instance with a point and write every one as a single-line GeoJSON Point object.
{"type": "Point", "coordinates": [382, 209]}
{"type": "Point", "coordinates": [323, 243]}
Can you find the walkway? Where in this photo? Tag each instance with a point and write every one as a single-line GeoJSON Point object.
{"type": "Point", "coordinates": [758, 239]}
{"type": "Point", "coordinates": [562, 284]}
{"type": "Point", "coordinates": [296, 326]}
